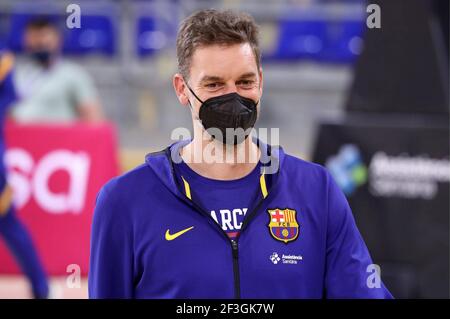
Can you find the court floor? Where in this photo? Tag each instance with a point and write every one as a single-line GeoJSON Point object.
{"type": "Point", "coordinates": [17, 287]}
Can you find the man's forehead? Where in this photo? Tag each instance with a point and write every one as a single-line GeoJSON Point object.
{"type": "Point", "coordinates": [223, 62]}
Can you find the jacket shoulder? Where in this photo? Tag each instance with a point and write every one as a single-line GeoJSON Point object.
{"type": "Point", "coordinates": [295, 165]}
{"type": "Point", "coordinates": [129, 183]}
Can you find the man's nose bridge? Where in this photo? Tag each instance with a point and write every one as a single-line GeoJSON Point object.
{"type": "Point", "coordinates": [230, 87]}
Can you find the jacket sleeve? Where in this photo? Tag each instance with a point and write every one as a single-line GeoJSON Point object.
{"type": "Point", "coordinates": [7, 91]}
{"type": "Point", "coordinates": [111, 256]}
{"type": "Point", "coordinates": [350, 272]}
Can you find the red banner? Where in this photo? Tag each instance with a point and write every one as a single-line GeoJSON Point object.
{"type": "Point", "coordinates": [56, 172]}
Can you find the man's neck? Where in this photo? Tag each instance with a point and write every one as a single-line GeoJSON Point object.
{"type": "Point", "coordinates": [215, 160]}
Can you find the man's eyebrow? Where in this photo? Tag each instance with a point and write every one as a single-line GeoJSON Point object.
{"type": "Point", "coordinates": [248, 75]}
{"type": "Point", "coordinates": [213, 78]}
{"type": "Point", "coordinates": [210, 78]}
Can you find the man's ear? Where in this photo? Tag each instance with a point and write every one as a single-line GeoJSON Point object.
{"type": "Point", "coordinates": [180, 89]}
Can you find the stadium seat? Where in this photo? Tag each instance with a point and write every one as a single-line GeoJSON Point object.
{"type": "Point", "coordinates": [343, 42]}
{"type": "Point", "coordinates": [97, 35]}
{"type": "Point", "coordinates": [152, 35]}
{"type": "Point", "coordinates": [298, 39]}
{"type": "Point", "coordinates": [320, 40]}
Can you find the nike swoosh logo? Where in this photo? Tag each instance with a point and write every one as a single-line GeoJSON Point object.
{"type": "Point", "coordinates": [170, 237]}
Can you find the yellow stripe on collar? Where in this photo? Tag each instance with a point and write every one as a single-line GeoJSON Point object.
{"type": "Point", "coordinates": [187, 188]}
{"type": "Point", "coordinates": [262, 183]}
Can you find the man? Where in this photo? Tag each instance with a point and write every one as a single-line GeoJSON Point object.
{"type": "Point", "coordinates": [177, 227]}
{"type": "Point", "coordinates": [51, 89]}
{"type": "Point", "coordinates": [11, 229]}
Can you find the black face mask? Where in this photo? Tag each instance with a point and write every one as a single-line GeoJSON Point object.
{"type": "Point", "coordinates": [229, 111]}
{"type": "Point", "coordinates": [43, 57]}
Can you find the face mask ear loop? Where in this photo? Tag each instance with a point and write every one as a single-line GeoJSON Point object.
{"type": "Point", "coordinates": [195, 115]}
{"type": "Point", "coordinates": [193, 93]}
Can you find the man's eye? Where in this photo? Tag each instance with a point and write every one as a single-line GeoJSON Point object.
{"type": "Point", "coordinates": [212, 85]}
{"type": "Point", "coordinates": [246, 83]}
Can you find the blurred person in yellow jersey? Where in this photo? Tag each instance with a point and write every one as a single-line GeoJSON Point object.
{"type": "Point", "coordinates": [50, 88]}
{"type": "Point", "coordinates": [12, 230]}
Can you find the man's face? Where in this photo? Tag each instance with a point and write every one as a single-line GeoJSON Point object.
{"type": "Point", "coordinates": [42, 39]}
{"type": "Point", "coordinates": [217, 70]}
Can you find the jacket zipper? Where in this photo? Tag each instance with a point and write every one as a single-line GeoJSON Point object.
{"type": "Point", "coordinates": [234, 246]}
{"type": "Point", "coordinates": [234, 243]}
{"type": "Point", "coordinates": [237, 277]}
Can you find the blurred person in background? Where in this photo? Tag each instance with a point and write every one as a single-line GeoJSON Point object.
{"type": "Point", "coordinates": [49, 88]}
{"type": "Point", "coordinates": [12, 230]}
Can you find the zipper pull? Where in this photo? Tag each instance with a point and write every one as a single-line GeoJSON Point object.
{"type": "Point", "coordinates": [234, 245]}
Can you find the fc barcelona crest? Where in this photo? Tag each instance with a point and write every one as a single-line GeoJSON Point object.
{"type": "Point", "coordinates": [283, 224]}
